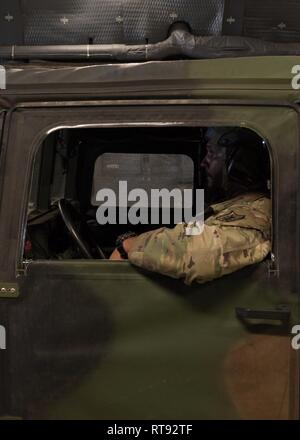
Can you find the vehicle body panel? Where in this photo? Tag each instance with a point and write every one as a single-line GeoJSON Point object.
{"type": "Point", "coordinates": [248, 78]}
{"type": "Point", "coordinates": [105, 340]}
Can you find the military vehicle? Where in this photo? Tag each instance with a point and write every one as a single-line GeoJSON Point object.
{"type": "Point", "coordinates": [98, 92]}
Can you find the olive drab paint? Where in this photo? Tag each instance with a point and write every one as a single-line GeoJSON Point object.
{"type": "Point", "coordinates": [104, 340]}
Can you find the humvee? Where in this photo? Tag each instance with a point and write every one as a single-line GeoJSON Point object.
{"type": "Point", "coordinates": [90, 338]}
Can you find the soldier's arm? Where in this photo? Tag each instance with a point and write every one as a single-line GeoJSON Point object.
{"type": "Point", "coordinates": [218, 251]}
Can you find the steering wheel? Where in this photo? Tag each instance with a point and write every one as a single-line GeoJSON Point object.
{"type": "Point", "coordinates": [79, 231]}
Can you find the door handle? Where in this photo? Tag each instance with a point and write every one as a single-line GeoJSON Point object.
{"type": "Point", "coordinates": [278, 316]}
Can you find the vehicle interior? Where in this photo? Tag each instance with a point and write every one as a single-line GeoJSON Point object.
{"type": "Point", "coordinates": [72, 165]}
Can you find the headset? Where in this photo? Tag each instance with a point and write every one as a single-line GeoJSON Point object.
{"type": "Point", "coordinates": [247, 156]}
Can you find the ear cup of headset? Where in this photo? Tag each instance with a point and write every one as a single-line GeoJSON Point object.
{"type": "Point", "coordinates": [248, 162]}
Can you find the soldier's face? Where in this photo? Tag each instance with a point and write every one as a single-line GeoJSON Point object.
{"type": "Point", "coordinates": [214, 166]}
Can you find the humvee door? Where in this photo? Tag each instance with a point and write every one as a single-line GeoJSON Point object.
{"type": "Point", "coordinates": [96, 339]}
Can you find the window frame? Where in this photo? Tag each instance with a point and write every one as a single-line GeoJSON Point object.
{"type": "Point", "coordinates": [196, 113]}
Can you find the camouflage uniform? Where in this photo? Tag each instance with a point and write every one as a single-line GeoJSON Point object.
{"type": "Point", "coordinates": [236, 235]}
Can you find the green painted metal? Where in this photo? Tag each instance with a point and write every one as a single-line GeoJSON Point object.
{"type": "Point", "coordinates": [255, 78]}
{"type": "Point", "coordinates": [103, 340]}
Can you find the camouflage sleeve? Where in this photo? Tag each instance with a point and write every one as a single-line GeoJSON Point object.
{"type": "Point", "coordinates": [216, 252]}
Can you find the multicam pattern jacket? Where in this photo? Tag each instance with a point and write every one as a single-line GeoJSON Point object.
{"type": "Point", "coordinates": [236, 235]}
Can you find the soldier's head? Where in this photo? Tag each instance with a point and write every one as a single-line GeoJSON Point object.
{"type": "Point", "coordinates": [236, 161]}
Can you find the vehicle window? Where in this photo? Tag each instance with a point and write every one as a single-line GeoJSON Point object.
{"type": "Point", "coordinates": [145, 171]}
{"type": "Point", "coordinates": [73, 166]}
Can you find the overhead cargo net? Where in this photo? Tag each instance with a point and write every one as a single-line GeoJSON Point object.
{"type": "Point", "coordinates": [51, 22]}
{"type": "Point", "coordinates": [143, 30]}
{"type": "Point", "coordinates": [273, 20]}
{"type": "Point", "coordinates": [106, 21]}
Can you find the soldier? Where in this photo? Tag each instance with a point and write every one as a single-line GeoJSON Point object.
{"type": "Point", "coordinates": [237, 232]}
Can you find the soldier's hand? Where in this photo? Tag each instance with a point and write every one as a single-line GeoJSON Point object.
{"type": "Point", "coordinates": [127, 246]}
{"type": "Point", "coordinates": [115, 255]}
